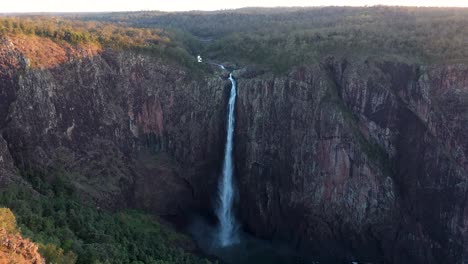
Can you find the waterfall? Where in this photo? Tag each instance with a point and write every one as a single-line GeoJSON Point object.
{"type": "Point", "coordinates": [227, 234]}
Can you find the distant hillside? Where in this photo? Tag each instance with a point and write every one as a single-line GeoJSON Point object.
{"type": "Point", "coordinates": [275, 37]}
{"type": "Point", "coordinates": [281, 37]}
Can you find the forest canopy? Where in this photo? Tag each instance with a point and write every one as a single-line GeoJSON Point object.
{"type": "Point", "coordinates": [77, 32]}
{"type": "Point", "coordinates": [283, 37]}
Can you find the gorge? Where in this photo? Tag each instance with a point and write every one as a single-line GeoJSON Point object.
{"type": "Point", "coordinates": [341, 154]}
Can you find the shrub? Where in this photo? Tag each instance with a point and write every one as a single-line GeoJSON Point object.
{"type": "Point", "coordinates": [7, 220]}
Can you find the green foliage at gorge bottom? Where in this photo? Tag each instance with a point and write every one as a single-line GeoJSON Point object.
{"type": "Point", "coordinates": [71, 231]}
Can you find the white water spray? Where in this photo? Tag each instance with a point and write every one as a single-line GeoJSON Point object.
{"type": "Point", "coordinates": [227, 234]}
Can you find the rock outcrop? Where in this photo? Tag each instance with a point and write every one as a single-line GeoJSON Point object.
{"type": "Point", "coordinates": [13, 247]}
{"type": "Point", "coordinates": [18, 250]}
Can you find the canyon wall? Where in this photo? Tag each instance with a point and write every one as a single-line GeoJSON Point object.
{"type": "Point", "coordinates": [363, 159]}
{"type": "Point", "coordinates": [127, 129]}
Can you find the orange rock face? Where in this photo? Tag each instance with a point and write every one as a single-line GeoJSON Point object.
{"type": "Point", "coordinates": [15, 249]}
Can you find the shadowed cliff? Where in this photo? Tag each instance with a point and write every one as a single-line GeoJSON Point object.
{"type": "Point", "coordinates": [374, 156]}
{"type": "Point", "coordinates": [129, 129]}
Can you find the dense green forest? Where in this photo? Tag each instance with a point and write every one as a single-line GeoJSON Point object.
{"type": "Point", "coordinates": [284, 37]}
{"type": "Point", "coordinates": [70, 230]}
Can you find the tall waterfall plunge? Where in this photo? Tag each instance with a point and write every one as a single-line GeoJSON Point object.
{"type": "Point", "coordinates": [227, 233]}
{"type": "Point", "coordinates": [226, 241]}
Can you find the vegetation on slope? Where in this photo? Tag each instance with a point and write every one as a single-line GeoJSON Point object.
{"type": "Point", "coordinates": [70, 230]}
{"type": "Point", "coordinates": [77, 32]}
{"type": "Point", "coordinates": [155, 41]}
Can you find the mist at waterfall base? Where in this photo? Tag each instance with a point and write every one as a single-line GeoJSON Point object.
{"type": "Point", "coordinates": [248, 249]}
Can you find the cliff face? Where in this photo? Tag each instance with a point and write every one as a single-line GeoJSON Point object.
{"type": "Point", "coordinates": [129, 129]}
{"type": "Point", "coordinates": [360, 159]}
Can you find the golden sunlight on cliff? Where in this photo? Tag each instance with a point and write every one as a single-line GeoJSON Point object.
{"type": "Point", "coordinates": [40, 52]}
{"type": "Point", "coordinates": [13, 247]}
